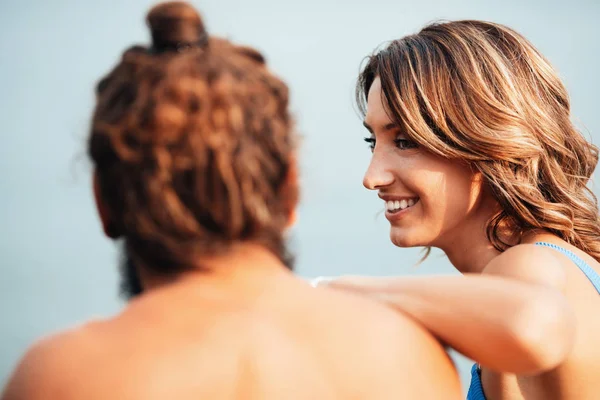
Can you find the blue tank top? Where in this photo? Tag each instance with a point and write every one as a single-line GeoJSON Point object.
{"type": "Point", "coordinates": [476, 389]}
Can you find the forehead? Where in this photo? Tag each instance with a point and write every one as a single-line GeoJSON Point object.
{"type": "Point", "coordinates": [376, 116]}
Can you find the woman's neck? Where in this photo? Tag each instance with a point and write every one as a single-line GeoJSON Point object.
{"type": "Point", "coordinates": [467, 245]}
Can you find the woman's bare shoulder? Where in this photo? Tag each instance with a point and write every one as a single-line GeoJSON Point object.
{"type": "Point", "coordinates": [531, 263]}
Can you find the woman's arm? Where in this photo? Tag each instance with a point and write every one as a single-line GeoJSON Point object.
{"type": "Point", "coordinates": [507, 323]}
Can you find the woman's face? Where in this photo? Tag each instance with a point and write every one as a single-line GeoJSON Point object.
{"type": "Point", "coordinates": [427, 198]}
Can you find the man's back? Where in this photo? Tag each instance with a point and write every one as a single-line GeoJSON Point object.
{"type": "Point", "coordinates": [284, 340]}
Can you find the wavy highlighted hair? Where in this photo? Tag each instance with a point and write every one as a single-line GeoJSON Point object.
{"type": "Point", "coordinates": [480, 92]}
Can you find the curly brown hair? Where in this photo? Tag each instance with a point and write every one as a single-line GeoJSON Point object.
{"type": "Point", "coordinates": [192, 143]}
{"type": "Point", "coordinates": [480, 92]}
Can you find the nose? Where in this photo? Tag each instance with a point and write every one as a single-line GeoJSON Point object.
{"type": "Point", "coordinates": [379, 173]}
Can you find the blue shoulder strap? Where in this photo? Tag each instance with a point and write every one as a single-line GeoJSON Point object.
{"type": "Point", "coordinates": [589, 272]}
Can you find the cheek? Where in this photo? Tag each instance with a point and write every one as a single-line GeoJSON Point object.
{"type": "Point", "coordinates": [429, 183]}
{"type": "Point", "coordinates": [446, 190]}
{"type": "Point", "coordinates": [459, 194]}
{"type": "Point", "coordinates": [437, 196]}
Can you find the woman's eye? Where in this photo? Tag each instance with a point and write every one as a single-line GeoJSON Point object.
{"type": "Point", "coordinates": [401, 143]}
{"type": "Point", "coordinates": [404, 144]}
{"type": "Point", "coordinates": [371, 142]}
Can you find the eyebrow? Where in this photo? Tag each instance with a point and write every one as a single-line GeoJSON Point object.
{"type": "Point", "coordinates": [387, 127]}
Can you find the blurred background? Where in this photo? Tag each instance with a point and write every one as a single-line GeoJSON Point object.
{"type": "Point", "coordinates": [58, 270]}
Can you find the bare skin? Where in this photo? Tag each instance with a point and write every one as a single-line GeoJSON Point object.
{"type": "Point", "coordinates": [248, 330]}
{"type": "Point", "coordinates": [576, 376]}
{"type": "Point", "coordinates": [528, 312]}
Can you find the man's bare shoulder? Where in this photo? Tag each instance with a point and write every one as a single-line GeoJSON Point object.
{"type": "Point", "coordinates": [50, 367]}
{"type": "Point", "coordinates": [411, 359]}
{"type": "Point", "coordinates": [367, 316]}
{"type": "Point", "coordinates": [403, 356]}
{"type": "Point", "coordinates": [100, 359]}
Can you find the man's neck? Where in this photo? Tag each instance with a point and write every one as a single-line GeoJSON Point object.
{"type": "Point", "coordinates": [243, 269]}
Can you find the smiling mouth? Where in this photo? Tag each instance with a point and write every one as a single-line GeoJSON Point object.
{"type": "Point", "coordinates": [394, 206]}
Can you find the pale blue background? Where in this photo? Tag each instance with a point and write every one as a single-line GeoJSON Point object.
{"type": "Point", "coordinates": [58, 270]}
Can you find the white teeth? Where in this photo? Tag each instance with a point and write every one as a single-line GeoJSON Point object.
{"type": "Point", "coordinates": [395, 205]}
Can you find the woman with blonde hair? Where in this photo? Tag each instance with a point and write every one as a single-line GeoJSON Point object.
{"type": "Point", "coordinates": [474, 153]}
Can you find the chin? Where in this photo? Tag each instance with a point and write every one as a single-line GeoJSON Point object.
{"type": "Point", "coordinates": [404, 238]}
